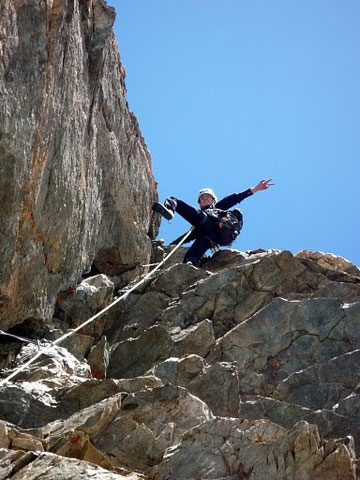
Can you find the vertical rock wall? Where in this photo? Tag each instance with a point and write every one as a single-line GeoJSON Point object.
{"type": "Point", "coordinates": [76, 181]}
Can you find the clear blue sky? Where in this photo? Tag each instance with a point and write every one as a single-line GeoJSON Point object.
{"type": "Point", "coordinates": [228, 93]}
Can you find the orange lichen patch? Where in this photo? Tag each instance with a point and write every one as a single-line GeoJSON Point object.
{"type": "Point", "coordinates": [74, 440]}
{"type": "Point", "coordinates": [153, 477]}
{"type": "Point", "coordinates": [97, 373]}
{"type": "Point", "coordinates": [70, 290]}
{"type": "Point", "coordinates": [58, 301]}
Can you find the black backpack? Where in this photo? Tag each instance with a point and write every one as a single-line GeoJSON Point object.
{"type": "Point", "coordinates": [231, 226]}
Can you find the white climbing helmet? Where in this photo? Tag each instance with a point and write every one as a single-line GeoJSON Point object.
{"type": "Point", "coordinates": [208, 191]}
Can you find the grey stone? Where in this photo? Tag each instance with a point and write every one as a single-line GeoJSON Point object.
{"type": "Point", "coordinates": [133, 315]}
{"type": "Point", "coordinates": [4, 440]}
{"type": "Point", "coordinates": [75, 305]}
{"type": "Point", "coordinates": [177, 257]}
{"type": "Point", "coordinates": [133, 357]}
{"type": "Point", "coordinates": [92, 420]}
{"type": "Point", "coordinates": [71, 152]}
{"type": "Point", "coordinates": [32, 401]}
{"type": "Point", "coordinates": [329, 261]}
{"type": "Point", "coordinates": [78, 345]}
{"type": "Point", "coordinates": [98, 358]}
{"type": "Point", "coordinates": [47, 466]}
{"type": "Point", "coordinates": [177, 278]}
{"type": "Point", "coordinates": [287, 336]}
{"type": "Point", "coordinates": [224, 258]}
{"type": "Point", "coordinates": [27, 406]}
{"type": "Point", "coordinates": [137, 438]}
{"type": "Point", "coordinates": [347, 292]}
{"type": "Point", "coordinates": [217, 385]}
{"type": "Point", "coordinates": [324, 385]}
{"type": "Point", "coordinates": [329, 423]}
{"type": "Point", "coordinates": [221, 448]}
{"type": "Point", "coordinates": [139, 449]}
{"type": "Point", "coordinates": [179, 371]}
{"type": "Point", "coordinates": [197, 339]}
{"type": "Point", "coordinates": [87, 393]}
{"type": "Point", "coordinates": [55, 361]}
{"type": "Point", "coordinates": [95, 390]}
{"type": "Point", "coordinates": [173, 405]}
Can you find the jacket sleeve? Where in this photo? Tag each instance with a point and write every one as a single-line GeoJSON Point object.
{"type": "Point", "coordinates": [233, 199]}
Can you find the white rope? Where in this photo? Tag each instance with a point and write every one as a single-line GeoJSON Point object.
{"type": "Point", "coordinates": [71, 332]}
{"type": "Point", "coordinates": [23, 339]}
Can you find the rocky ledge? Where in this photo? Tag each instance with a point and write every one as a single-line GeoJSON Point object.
{"type": "Point", "coordinates": [246, 368]}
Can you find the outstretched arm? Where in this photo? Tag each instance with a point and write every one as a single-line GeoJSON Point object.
{"type": "Point", "coordinates": [231, 200]}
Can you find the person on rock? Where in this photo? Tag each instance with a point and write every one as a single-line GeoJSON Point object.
{"type": "Point", "coordinates": [207, 220]}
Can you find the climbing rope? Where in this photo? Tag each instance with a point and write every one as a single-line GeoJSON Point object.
{"type": "Point", "coordinates": [99, 314]}
{"type": "Point", "coordinates": [22, 339]}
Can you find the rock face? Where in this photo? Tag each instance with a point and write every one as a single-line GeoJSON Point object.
{"type": "Point", "coordinates": [246, 369]}
{"type": "Point", "coordinates": [76, 182]}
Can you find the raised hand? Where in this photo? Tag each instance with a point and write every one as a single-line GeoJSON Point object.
{"type": "Point", "coordinates": [262, 185]}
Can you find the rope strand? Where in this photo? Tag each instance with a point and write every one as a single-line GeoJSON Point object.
{"type": "Point", "coordinates": [104, 310]}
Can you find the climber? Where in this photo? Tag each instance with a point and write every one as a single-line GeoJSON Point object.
{"type": "Point", "coordinates": [209, 220]}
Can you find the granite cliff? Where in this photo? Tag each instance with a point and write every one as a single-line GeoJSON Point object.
{"type": "Point", "coordinates": [74, 168]}
{"type": "Point", "coordinates": [245, 368]}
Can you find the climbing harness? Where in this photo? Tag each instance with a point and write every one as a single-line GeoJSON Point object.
{"type": "Point", "coordinates": [87, 322]}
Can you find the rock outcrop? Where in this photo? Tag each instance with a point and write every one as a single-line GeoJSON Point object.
{"type": "Point", "coordinates": [246, 368]}
{"type": "Point", "coordinates": [76, 182]}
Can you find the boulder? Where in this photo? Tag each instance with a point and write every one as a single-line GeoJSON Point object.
{"type": "Point", "coordinates": [287, 336]}
{"type": "Point", "coordinates": [329, 423]}
{"type": "Point", "coordinates": [32, 401]}
{"type": "Point", "coordinates": [322, 385]}
{"type": "Point", "coordinates": [27, 405]}
{"type": "Point", "coordinates": [78, 345]}
{"type": "Point", "coordinates": [95, 390]}
{"type": "Point", "coordinates": [173, 405]}
{"type": "Point", "coordinates": [133, 315]}
{"type": "Point", "coordinates": [197, 339]}
{"type": "Point", "coordinates": [177, 278]}
{"type": "Point", "coordinates": [47, 466]}
{"type": "Point", "coordinates": [98, 358]}
{"type": "Point", "coordinates": [75, 305]}
{"type": "Point", "coordinates": [329, 261]}
{"type": "Point", "coordinates": [217, 385]}
{"type": "Point", "coordinates": [229, 448]}
{"type": "Point", "coordinates": [179, 371]}
{"type": "Point", "coordinates": [137, 438]}
{"type": "Point", "coordinates": [133, 357]}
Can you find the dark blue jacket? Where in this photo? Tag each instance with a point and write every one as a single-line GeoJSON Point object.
{"type": "Point", "coordinates": [209, 228]}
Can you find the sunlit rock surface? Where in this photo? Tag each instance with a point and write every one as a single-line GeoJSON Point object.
{"type": "Point", "coordinates": [248, 368]}
{"type": "Point", "coordinates": [76, 181]}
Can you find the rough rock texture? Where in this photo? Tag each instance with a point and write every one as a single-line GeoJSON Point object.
{"type": "Point", "coordinates": [245, 368]}
{"type": "Point", "coordinates": [228, 448]}
{"type": "Point", "coordinates": [47, 466]}
{"type": "Point", "coordinates": [248, 369]}
{"type": "Point", "coordinates": [76, 182]}
{"type": "Point", "coordinates": [75, 305]}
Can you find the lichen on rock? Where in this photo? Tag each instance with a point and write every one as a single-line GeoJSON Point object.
{"type": "Point", "coordinates": [76, 181]}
